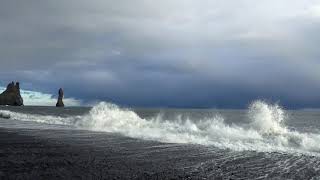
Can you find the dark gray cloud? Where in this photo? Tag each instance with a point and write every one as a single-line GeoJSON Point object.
{"type": "Point", "coordinates": [188, 53]}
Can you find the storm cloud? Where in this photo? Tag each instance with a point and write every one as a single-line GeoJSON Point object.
{"type": "Point", "coordinates": [175, 53]}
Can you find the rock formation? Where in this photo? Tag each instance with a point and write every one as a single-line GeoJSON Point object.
{"type": "Point", "coordinates": [11, 96]}
{"type": "Point", "coordinates": [60, 99]}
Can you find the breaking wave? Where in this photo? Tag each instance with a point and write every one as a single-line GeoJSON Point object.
{"type": "Point", "coordinates": [266, 131]}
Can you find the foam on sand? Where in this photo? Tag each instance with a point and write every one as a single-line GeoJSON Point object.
{"type": "Point", "coordinates": [266, 131]}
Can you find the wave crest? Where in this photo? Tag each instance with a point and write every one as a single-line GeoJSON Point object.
{"type": "Point", "coordinates": [267, 118]}
{"type": "Point", "coordinates": [265, 132]}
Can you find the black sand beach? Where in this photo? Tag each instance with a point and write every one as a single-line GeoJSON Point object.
{"type": "Point", "coordinates": [58, 154]}
{"type": "Point", "coordinates": [48, 143]}
{"type": "Point", "coordinates": [30, 156]}
{"type": "Point", "coordinates": [160, 89]}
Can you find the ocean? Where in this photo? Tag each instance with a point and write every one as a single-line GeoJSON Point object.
{"type": "Point", "coordinates": [264, 141]}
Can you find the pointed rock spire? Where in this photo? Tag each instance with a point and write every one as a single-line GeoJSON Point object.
{"type": "Point", "coordinates": [60, 99]}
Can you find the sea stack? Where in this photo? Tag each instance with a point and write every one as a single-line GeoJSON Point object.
{"type": "Point", "coordinates": [11, 96]}
{"type": "Point", "coordinates": [60, 99]}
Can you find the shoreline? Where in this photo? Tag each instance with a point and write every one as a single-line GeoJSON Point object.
{"type": "Point", "coordinates": [35, 157]}
{"type": "Point", "coordinates": [48, 150]}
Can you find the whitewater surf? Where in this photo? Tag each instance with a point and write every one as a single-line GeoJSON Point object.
{"type": "Point", "coordinates": [264, 128]}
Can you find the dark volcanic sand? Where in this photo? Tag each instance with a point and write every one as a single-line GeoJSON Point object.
{"type": "Point", "coordinates": [77, 154]}
{"type": "Point", "coordinates": [47, 143]}
{"type": "Point", "coordinates": [95, 156]}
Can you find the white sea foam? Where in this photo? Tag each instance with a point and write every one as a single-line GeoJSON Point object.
{"type": "Point", "coordinates": [267, 119]}
{"type": "Point", "coordinates": [39, 118]}
{"type": "Point", "coordinates": [265, 132]}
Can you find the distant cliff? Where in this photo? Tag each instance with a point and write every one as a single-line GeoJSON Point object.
{"type": "Point", "coordinates": [11, 96]}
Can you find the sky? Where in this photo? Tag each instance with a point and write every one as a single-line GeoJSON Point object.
{"type": "Point", "coordinates": [168, 53]}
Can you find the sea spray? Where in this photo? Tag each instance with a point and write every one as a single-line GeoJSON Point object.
{"type": "Point", "coordinates": [267, 118]}
{"type": "Point", "coordinates": [111, 118]}
{"type": "Point", "coordinates": [266, 130]}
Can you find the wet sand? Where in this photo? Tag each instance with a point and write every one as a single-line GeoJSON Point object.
{"type": "Point", "coordinates": [95, 156]}
{"type": "Point", "coordinates": [77, 154]}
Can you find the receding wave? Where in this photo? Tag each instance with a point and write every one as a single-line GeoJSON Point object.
{"type": "Point", "coordinates": [6, 114]}
{"type": "Point", "coordinates": [266, 131]}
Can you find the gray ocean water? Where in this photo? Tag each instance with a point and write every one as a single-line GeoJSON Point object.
{"type": "Point", "coordinates": [262, 142]}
